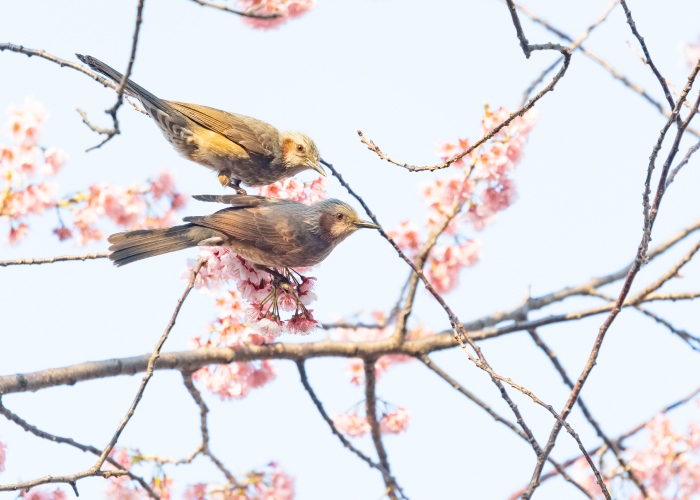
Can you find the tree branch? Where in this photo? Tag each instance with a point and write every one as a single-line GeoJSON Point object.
{"type": "Point", "coordinates": [238, 12]}
{"type": "Point", "coordinates": [51, 260]}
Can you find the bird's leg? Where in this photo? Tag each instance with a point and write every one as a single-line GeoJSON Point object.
{"type": "Point", "coordinates": [236, 184]}
{"type": "Point", "coordinates": [277, 277]}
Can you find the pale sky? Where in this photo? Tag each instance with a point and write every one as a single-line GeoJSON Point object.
{"type": "Point", "coordinates": [408, 74]}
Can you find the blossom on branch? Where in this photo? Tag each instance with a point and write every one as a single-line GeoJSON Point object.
{"type": "Point", "coordinates": [272, 483]}
{"type": "Point", "coordinates": [39, 494]}
{"type": "Point", "coordinates": [287, 9]}
{"type": "Point", "coordinates": [129, 208]}
{"type": "Point", "coordinates": [3, 455]}
{"type": "Point", "coordinates": [353, 425]}
{"type": "Point", "coordinates": [479, 192]}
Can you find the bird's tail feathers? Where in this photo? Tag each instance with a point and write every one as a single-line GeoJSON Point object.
{"type": "Point", "coordinates": [131, 246]}
{"type": "Point", "coordinates": [131, 87]}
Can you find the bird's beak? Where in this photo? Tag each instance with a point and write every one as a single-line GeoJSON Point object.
{"type": "Point", "coordinates": [368, 225]}
{"type": "Point", "coordinates": [315, 166]}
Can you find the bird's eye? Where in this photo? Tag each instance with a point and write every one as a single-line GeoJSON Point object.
{"type": "Point", "coordinates": [300, 147]}
{"type": "Point", "coordinates": [339, 216]}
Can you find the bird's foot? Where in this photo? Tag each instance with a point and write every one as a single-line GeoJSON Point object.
{"type": "Point", "coordinates": [279, 280]}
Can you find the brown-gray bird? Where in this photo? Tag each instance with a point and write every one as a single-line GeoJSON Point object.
{"type": "Point", "coordinates": [239, 148]}
{"type": "Point", "coordinates": [267, 231]}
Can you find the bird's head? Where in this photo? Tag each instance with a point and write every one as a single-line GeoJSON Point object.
{"type": "Point", "coordinates": [337, 220]}
{"type": "Point", "coordinates": [300, 153]}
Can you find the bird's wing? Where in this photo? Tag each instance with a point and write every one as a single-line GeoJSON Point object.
{"type": "Point", "coordinates": [254, 135]}
{"type": "Point", "coordinates": [254, 227]}
{"type": "Point", "coordinates": [240, 200]}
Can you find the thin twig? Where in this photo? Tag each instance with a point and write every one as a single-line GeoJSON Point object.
{"type": "Point", "coordinates": [120, 89]}
{"type": "Point", "coordinates": [527, 49]}
{"type": "Point", "coordinates": [204, 447]}
{"type": "Point", "coordinates": [61, 62]}
{"type": "Point", "coordinates": [459, 330]}
{"type": "Point", "coordinates": [623, 79]}
{"type": "Point", "coordinates": [95, 469]}
{"type": "Point", "coordinates": [426, 360]}
{"type": "Point", "coordinates": [51, 260]}
{"type": "Point", "coordinates": [587, 413]}
{"type": "Point", "coordinates": [238, 12]}
{"type": "Point", "coordinates": [329, 421]}
{"type": "Point", "coordinates": [640, 259]}
{"type": "Point", "coordinates": [575, 45]}
{"type": "Point", "coordinates": [371, 410]}
{"type": "Point", "coordinates": [683, 162]}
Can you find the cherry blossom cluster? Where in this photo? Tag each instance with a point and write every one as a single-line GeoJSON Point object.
{"type": "Point", "coordinates": [3, 455]}
{"type": "Point", "coordinates": [267, 295]}
{"type": "Point", "coordinates": [129, 208]}
{"type": "Point", "coordinates": [287, 9]}
{"type": "Point", "coordinates": [43, 494]}
{"type": "Point", "coordinates": [21, 162]}
{"type": "Point", "coordinates": [392, 421]}
{"type": "Point", "coordinates": [230, 329]}
{"type": "Point", "coordinates": [296, 190]}
{"type": "Point", "coordinates": [483, 187]}
{"type": "Point", "coordinates": [669, 468]}
{"type": "Point", "coordinates": [269, 484]}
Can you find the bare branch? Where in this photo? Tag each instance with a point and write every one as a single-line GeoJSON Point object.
{"type": "Point", "coordinates": [586, 412]}
{"type": "Point", "coordinates": [120, 90]}
{"type": "Point", "coordinates": [424, 358]}
{"type": "Point", "coordinates": [61, 62]}
{"type": "Point", "coordinates": [204, 447]}
{"type": "Point", "coordinates": [640, 259]}
{"type": "Point", "coordinates": [371, 410]}
{"type": "Point", "coordinates": [238, 12]}
{"type": "Point", "coordinates": [329, 421]}
{"type": "Point", "coordinates": [51, 260]}
{"type": "Point", "coordinates": [683, 162]}
{"type": "Point", "coordinates": [83, 447]}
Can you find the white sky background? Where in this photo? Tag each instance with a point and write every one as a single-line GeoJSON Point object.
{"type": "Point", "coordinates": [408, 74]}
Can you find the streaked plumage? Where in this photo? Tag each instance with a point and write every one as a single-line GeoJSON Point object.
{"type": "Point", "coordinates": [267, 231]}
{"type": "Point", "coordinates": [239, 148]}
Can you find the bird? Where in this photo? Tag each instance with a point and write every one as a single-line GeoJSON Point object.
{"type": "Point", "coordinates": [239, 148]}
{"type": "Point", "coordinates": [269, 232]}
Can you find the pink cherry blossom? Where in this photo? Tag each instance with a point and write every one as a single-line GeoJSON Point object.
{"type": "Point", "coordinates": [3, 455]}
{"type": "Point", "coordinates": [24, 123]}
{"type": "Point", "coordinates": [16, 234]}
{"type": "Point", "coordinates": [296, 190]}
{"type": "Point", "coordinates": [162, 487]}
{"type": "Point", "coordinates": [34, 199]}
{"type": "Point", "coordinates": [63, 233]}
{"type": "Point", "coordinates": [394, 423]}
{"type": "Point", "coordinates": [351, 425]}
{"type": "Point", "coordinates": [55, 159]}
{"type": "Point", "coordinates": [446, 261]}
{"type": "Point", "coordinates": [302, 324]}
{"type": "Point", "coordinates": [235, 381]}
{"type": "Point", "coordinates": [691, 53]}
{"type": "Point", "coordinates": [280, 487]}
{"type": "Point", "coordinates": [407, 237]}
{"type": "Point", "coordinates": [164, 185]}
{"type": "Point", "coordinates": [288, 9]}
{"type": "Point", "coordinates": [195, 492]}
{"type": "Point", "coordinates": [39, 494]}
